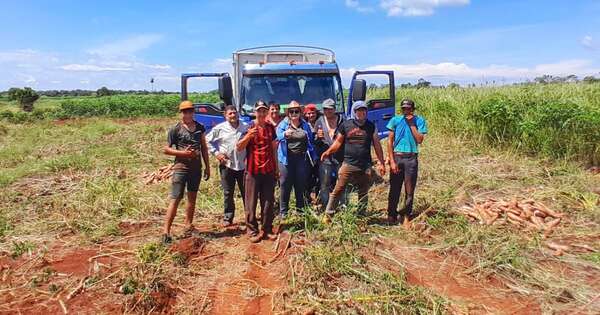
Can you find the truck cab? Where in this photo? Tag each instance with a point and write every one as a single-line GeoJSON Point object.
{"type": "Point", "coordinates": [283, 73]}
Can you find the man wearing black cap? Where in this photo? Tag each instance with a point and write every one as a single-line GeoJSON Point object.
{"type": "Point", "coordinates": [356, 135]}
{"type": "Point", "coordinates": [260, 143]}
{"type": "Point", "coordinates": [407, 131]}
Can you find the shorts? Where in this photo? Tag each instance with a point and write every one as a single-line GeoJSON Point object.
{"type": "Point", "coordinates": [182, 179]}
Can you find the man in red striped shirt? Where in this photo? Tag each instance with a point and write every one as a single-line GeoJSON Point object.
{"type": "Point", "coordinates": [261, 173]}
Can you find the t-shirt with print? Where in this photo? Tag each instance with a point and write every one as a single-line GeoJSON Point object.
{"type": "Point", "coordinates": [357, 142]}
{"type": "Point", "coordinates": [297, 142]}
{"type": "Point", "coordinates": [260, 158]}
{"type": "Point", "coordinates": [404, 141]}
{"type": "Point", "coordinates": [180, 137]}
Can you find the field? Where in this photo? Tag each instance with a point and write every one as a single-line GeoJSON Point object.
{"type": "Point", "coordinates": [79, 229]}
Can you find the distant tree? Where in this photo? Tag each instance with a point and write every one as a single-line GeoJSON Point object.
{"type": "Point", "coordinates": [12, 94]}
{"type": "Point", "coordinates": [25, 97]}
{"type": "Point", "coordinates": [422, 83]}
{"type": "Point", "coordinates": [590, 79]}
{"type": "Point", "coordinates": [453, 85]}
{"type": "Point", "coordinates": [103, 91]}
{"type": "Point", "coordinates": [571, 78]}
{"type": "Point", "coordinates": [372, 86]}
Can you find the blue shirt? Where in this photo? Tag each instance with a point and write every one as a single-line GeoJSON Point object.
{"type": "Point", "coordinates": [282, 151]}
{"type": "Point", "coordinates": [404, 141]}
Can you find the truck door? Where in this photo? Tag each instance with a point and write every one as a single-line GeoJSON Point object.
{"type": "Point", "coordinates": [378, 91]}
{"type": "Point", "coordinates": [208, 112]}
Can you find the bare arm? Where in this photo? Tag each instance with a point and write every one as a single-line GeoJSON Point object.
{"type": "Point", "coordinates": [378, 148]}
{"type": "Point", "coordinates": [416, 134]}
{"type": "Point", "coordinates": [204, 149]}
{"type": "Point", "coordinates": [337, 144]}
{"type": "Point", "coordinates": [243, 143]}
{"type": "Point", "coordinates": [178, 153]}
{"type": "Point", "coordinates": [391, 146]}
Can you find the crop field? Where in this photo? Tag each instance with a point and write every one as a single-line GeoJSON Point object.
{"type": "Point", "coordinates": [508, 199]}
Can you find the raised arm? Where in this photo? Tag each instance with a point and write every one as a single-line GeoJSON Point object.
{"type": "Point", "coordinates": [337, 144]}
{"type": "Point", "coordinates": [243, 143]}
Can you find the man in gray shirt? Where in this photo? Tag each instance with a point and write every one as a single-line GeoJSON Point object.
{"type": "Point", "coordinates": [222, 140]}
{"type": "Point", "coordinates": [326, 129]}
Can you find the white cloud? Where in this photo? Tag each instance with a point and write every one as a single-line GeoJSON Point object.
{"type": "Point", "coordinates": [588, 42]}
{"type": "Point", "coordinates": [355, 5]}
{"type": "Point", "coordinates": [92, 68]}
{"type": "Point", "coordinates": [126, 47]}
{"type": "Point", "coordinates": [450, 71]}
{"type": "Point", "coordinates": [417, 7]}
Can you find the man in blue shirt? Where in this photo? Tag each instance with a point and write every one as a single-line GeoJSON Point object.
{"type": "Point", "coordinates": [407, 131]}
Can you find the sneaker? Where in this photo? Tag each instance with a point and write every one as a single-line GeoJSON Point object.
{"type": "Point", "coordinates": [226, 223]}
{"type": "Point", "coordinates": [255, 238]}
{"type": "Point", "coordinates": [327, 219]}
{"type": "Point", "coordinates": [166, 239]}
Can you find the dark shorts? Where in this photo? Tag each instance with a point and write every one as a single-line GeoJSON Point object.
{"type": "Point", "coordinates": [182, 179]}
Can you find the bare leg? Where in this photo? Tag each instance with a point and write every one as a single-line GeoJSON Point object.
{"type": "Point", "coordinates": [171, 212]}
{"type": "Point", "coordinates": [190, 208]}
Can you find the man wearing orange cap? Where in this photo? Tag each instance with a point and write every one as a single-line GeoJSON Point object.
{"type": "Point", "coordinates": [186, 142]}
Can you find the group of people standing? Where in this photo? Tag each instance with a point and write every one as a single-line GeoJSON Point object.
{"type": "Point", "coordinates": [304, 151]}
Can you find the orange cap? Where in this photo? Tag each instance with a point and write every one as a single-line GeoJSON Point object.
{"type": "Point", "coordinates": [186, 105]}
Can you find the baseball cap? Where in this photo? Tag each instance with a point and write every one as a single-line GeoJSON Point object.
{"type": "Point", "coordinates": [260, 104]}
{"type": "Point", "coordinates": [358, 105]}
{"type": "Point", "coordinates": [329, 103]}
{"type": "Point", "coordinates": [186, 105]}
{"type": "Point", "coordinates": [407, 103]}
{"type": "Point", "coordinates": [310, 108]}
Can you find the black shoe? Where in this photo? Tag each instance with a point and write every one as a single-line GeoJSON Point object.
{"type": "Point", "coordinates": [166, 239]}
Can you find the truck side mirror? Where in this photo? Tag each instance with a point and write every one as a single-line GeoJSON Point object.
{"type": "Point", "coordinates": [359, 90]}
{"type": "Point", "coordinates": [226, 90]}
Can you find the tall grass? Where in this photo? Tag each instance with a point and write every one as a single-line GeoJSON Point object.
{"type": "Point", "coordinates": [554, 120]}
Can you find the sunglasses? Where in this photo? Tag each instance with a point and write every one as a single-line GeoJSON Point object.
{"type": "Point", "coordinates": [294, 111]}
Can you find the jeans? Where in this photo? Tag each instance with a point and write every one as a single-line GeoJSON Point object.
{"type": "Point", "coordinates": [328, 174]}
{"type": "Point", "coordinates": [259, 187]}
{"type": "Point", "coordinates": [229, 178]}
{"type": "Point", "coordinates": [294, 175]}
{"type": "Point", "coordinates": [355, 176]}
{"type": "Point", "coordinates": [408, 168]}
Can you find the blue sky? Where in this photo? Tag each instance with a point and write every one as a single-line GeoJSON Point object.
{"type": "Point", "coordinates": [122, 44]}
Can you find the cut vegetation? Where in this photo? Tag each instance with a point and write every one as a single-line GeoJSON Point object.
{"type": "Point", "coordinates": [509, 224]}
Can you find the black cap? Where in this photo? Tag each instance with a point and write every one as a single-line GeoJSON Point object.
{"type": "Point", "coordinates": [260, 104]}
{"type": "Point", "coordinates": [407, 103]}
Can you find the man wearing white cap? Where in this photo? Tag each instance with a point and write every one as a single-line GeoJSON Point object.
{"type": "Point", "coordinates": [357, 135]}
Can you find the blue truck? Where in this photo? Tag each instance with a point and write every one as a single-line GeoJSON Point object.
{"type": "Point", "coordinates": [282, 73]}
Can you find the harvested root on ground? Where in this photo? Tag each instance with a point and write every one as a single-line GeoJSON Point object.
{"type": "Point", "coordinates": [158, 176]}
{"type": "Point", "coordinates": [524, 213]}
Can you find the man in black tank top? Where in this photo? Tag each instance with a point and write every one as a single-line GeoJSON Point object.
{"type": "Point", "coordinates": [357, 135]}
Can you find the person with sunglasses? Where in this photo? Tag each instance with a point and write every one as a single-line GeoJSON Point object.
{"type": "Point", "coordinates": [296, 157]}
{"type": "Point", "coordinates": [407, 132]}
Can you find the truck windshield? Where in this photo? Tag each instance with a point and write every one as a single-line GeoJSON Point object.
{"type": "Point", "coordinates": [283, 88]}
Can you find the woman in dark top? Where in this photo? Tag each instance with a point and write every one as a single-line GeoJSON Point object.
{"type": "Point", "coordinates": [296, 156]}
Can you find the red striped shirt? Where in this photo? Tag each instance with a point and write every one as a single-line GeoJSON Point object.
{"type": "Point", "coordinates": [260, 157]}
